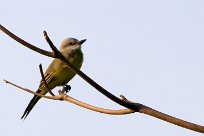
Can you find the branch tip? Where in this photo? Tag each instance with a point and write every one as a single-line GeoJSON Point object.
{"type": "Point", "coordinates": [5, 81]}
{"type": "Point", "coordinates": [44, 81]}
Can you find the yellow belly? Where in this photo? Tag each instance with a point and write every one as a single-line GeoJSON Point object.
{"type": "Point", "coordinates": [64, 74]}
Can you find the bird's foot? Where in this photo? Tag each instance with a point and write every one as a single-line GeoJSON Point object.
{"type": "Point", "coordinates": [66, 88]}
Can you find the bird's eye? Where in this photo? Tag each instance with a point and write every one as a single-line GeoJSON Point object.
{"type": "Point", "coordinates": [71, 43]}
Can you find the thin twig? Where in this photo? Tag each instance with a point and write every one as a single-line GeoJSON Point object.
{"type": "Point", "coordinates": [54, 49]}
{"type": "Point", "coordinates": [137, 107]}
{"type": "Point", "coordinates": [28, 45]}
{"type": "Point", "coordinates": [94, 108]}
{"type": "Point", "coordinates": [62, 96]}
{"type": "Point", "coordinates": [32, 92]}
{"type": "Point", "coordinates": [44, 81]}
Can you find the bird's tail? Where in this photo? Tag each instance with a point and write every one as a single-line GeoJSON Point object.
{"type": "Point", "coordinates": [31, 104]}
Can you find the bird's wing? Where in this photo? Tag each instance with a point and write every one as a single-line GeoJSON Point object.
{"type": "Point", "coordinates": [42, 90]}
{"type": "Point", "coordinates": [48, 78]}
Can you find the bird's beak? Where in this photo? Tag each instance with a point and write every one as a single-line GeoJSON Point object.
{"type": "Point", "coordinates": [81, 42]}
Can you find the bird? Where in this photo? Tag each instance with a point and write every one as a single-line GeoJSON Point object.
{"type": "Point", "coordinates": [58, 73]}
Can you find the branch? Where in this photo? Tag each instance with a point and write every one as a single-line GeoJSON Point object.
{"type": "Point", "coordinates": [44, 81]}
{"type": "Point", "coordinates": [26, 44]}
{"type": "Point", "coordinates": [137, 107]}
{"type": "Point", "coordinates": [29, 91]}
{"type": "Point", "coordinates": [65, 97]}
{"type": "Point", "coordinates": [89, 80]}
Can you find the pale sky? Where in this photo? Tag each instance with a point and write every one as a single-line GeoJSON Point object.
{"type": "Point", "coordinates": [152, 52]}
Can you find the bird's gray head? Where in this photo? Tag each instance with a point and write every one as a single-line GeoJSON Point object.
{"type": "Point", "coordinates": [71, 43]}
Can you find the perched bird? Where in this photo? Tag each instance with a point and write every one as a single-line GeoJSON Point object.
{"type": "Point", "coordinates": [58, 73]}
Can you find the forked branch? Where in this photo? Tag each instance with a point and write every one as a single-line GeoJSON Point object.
{"type": "Point", "coordinates": [137, 107]}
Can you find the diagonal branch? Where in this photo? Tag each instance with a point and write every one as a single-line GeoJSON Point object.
{"type": "Point", "coordinates": [88, 79]}
{"type": "Point", "coordinates": [26, 44]}
{"type": "Point", "coordinates": [65, 97]}
{"type": "Point", "coordinates": [137, 107]}
{"type": "Point", "coordinates": [44, 81]}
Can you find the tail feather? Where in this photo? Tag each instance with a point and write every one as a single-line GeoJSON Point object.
{"type": "Point", "coordinates": [31, 104]}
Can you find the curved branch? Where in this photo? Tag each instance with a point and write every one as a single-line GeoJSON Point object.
{"type": "Point", "coordinates": [67, 98]}
{"type": "Point", "coordinates": [91, 81]}
{"type": "Point", "coordinates": [137, 107]}
{"type": "Point", "coordinates": [26, 44]}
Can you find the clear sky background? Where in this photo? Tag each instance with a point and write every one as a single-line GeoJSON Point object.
{"type": "Point", "coordinates": [152, 52]}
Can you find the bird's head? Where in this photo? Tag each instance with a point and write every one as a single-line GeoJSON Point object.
{"type": "Point", "coordinates": [71, 43]}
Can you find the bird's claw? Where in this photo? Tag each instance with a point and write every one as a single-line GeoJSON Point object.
{"type": "Point", "coordinates": [66, 88]}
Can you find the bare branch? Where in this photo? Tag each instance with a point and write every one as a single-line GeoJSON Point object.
{"type": "Point", "coordinates": [32, 92]}
{"type": "Point", "coordinates": [173, 120]}
{"type": "Point", "coordinates": [137, 107]}
{"type": "Point", "coordinates": [26, 44]}
{"type": "Point", "coordinates": [54, 49]}
{"type": "Point", "coordinates": [65, 97]}
{"type": "Point", "coordinates": [86, 78]}
{"type": "Point", "coordinates": [44, 81]}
